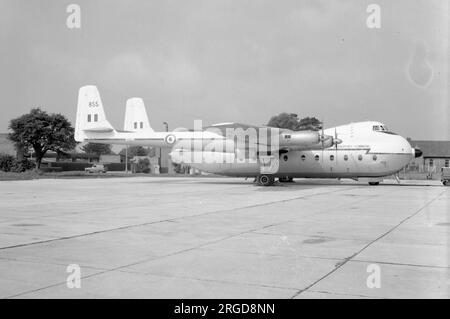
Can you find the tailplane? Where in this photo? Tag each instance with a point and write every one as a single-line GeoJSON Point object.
{"type": "Point", "coordinates": [91, 116]}
{"type": "Point", "coordinates": [136, 118]}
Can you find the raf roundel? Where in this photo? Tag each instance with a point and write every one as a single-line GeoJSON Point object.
{"type": "Point", "coordinates": [170, 139]}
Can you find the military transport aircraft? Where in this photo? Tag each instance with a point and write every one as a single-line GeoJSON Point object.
{"type": "Point", "coordinates": [356, 150]}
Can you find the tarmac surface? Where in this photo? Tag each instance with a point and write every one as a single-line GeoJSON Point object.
{"type": "Point", "coordinates": [188, 237]}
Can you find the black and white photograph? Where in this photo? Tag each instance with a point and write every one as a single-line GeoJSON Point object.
{"type": "Point", "coordinates": [246, 150]}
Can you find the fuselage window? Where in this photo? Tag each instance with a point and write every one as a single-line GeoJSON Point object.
{"type": "Point", "coordinates": [285, 158]}
{"type": "Point", "coordinates": [89, 117]}
{"type": "Point", "coordinates": [287, 136]}
{"type": "Point", "coordinates": [303, 157]}
{"type": "Point", "coordinates": [331, 157]}
{"type": "Point", "coordinates": [345, 157]}
{"type": "Point", "coordinates": [374, 157]}
{"type": "Point", "coordinates": [316, 157]}
{"type": "Point", "coordinates": [360, 157]}
{"type": "Point", "coordinates": [135, 125]}
{"type": "Point", "coordinates": [431, 162]}
{"type": "Point", "coordinates": [446, 163]}
{"type": "Point", "coordinates": [95, 117]}
{"type": "Point", "coordinates": [142, 125]}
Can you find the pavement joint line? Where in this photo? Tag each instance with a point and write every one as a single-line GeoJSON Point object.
{"type": "Point", "coordinates": [332, 237]}
{"type": "Point", "coordinates": [342, 294]}
{"type": "Point", "coordinates": [346, 260]}
{"type": "Point", "coordinates": [398, 264]}
{"type": "Point", "coordinates": [81, 212]}
{"type": "Point", "coordinates": [208, 280]}
{"type": "Point", "coordinates": [274, 254]}
{"type": "Point", "coordinates": [319, 212]}
{"type": "Point", "coordinates": [31, 261]}
{"type": "Point", "coordinates": [214, 212]}
{"type": "Point", "coordinates": [184, 250]}
{"type": "Point", "coordinates": [41, 288]}
{"type": "Point", "coordinates": [165, 220]}
{"type": "Point", "coordinates": [128, 265]}
{"type": "Point", "coordinates": [141, 261]}
{"type": "Point", "coordinates": [102, 209]}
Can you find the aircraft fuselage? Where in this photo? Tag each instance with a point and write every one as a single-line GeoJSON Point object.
{"type": "Point", "coordinates": [364, 152]}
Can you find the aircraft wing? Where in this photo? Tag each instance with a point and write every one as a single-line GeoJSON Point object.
{"type": "Point", "coordinates": [275, 139]}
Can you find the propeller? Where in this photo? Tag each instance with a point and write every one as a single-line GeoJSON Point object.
{"type": "Point", "coordinates": [335, 144]}
{"type": "Point", "coordinates": [336, 141]}
{"type": "Point", "coordinates": [322, 137]}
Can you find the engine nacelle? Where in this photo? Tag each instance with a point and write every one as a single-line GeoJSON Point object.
{"type": "Point", "coordinates": [302, 140]}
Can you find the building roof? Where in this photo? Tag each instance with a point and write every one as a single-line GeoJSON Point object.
{"type": "Point", "coordinates": [6, 146]}
{"type": "Point", "coordinates": [433, 148]}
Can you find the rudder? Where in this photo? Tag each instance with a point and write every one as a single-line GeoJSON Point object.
{"type": "Point", "coordinates": [90, 113]}
{"type": "Point", "coordinates": [136, 118]}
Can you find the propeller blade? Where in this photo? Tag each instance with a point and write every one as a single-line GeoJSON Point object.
{"type": "Point", "coordinates": [323, 140]}
{"type": "Point", "coordinates": [335, 144]}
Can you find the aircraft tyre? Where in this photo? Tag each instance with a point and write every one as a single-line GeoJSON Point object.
{"type": "Point", "coordinates": [374, 183]}
{"type": "Point", "coordinates": [286, 179]}
{"type": "Point", "coordinates": [265, 180]}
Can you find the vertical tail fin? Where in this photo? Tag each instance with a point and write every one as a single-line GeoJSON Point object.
{"type": "Point", "coordinates": [90, 114]}
{"type": "Point", "coordinates": [136, 118]}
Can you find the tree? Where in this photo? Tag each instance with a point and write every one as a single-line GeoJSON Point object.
{"type": "Point", "coordinates": [292, 122]}
{"type": "Point", "coordinates": [310, 123]}
{"type": "Point", "coordinates": [97, 148]}
{"type": "Point", "coordinates": [6, 162]}
{"type": "Point", "coordinates": [134, 151]}
{"type": "Point", "coordinates": [143, 166]}
{"type": "Point", "coordinates": [43, 132]}
{"type": "Point", "coordinates": [10, 164]}
{"type": "Point", "coordinates": [285, 120]}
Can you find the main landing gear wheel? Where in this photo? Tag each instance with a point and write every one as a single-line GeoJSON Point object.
{"type": "Point", "coordinates": [265, 180]}
{"type": "Point", "coordinates": [286, 179]}
{"type": "Point", "coordinates": [374, 183]}
{"type": "Point", "coordinates": [445, 183]}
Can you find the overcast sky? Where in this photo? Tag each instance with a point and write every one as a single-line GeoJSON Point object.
{"type": "Point", "coordinates": [232, 60]}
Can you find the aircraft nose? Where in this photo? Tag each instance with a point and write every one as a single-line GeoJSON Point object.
{"type": "Point", "coordinates": [417, 153]}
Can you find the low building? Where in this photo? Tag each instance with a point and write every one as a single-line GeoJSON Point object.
{"type": "Point", "coordinates": [435, 155]}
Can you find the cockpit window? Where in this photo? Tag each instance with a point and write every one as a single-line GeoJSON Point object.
{"type": "Point", "coordinates": [382, 128]}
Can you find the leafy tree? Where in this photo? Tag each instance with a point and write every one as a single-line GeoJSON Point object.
{"type": "Point", "coordinates": [6, 162]}
{"type": "Point", "coordinates": [22, 165]}
{"type": "Point", "coordinates": [143, 166]}
{"type": "Point", "coordinates": [43, 132]}
{"type": "Point", "coordinates": [285, 120]}
{"type": "Point", "coordinates": [292, 122]}
{"type": "Point", "coordinates": [97, 148]}
{"type": "Point", "coordinates": [310, 123]}
{"type": "Point", "coordinates": [134, 151]}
